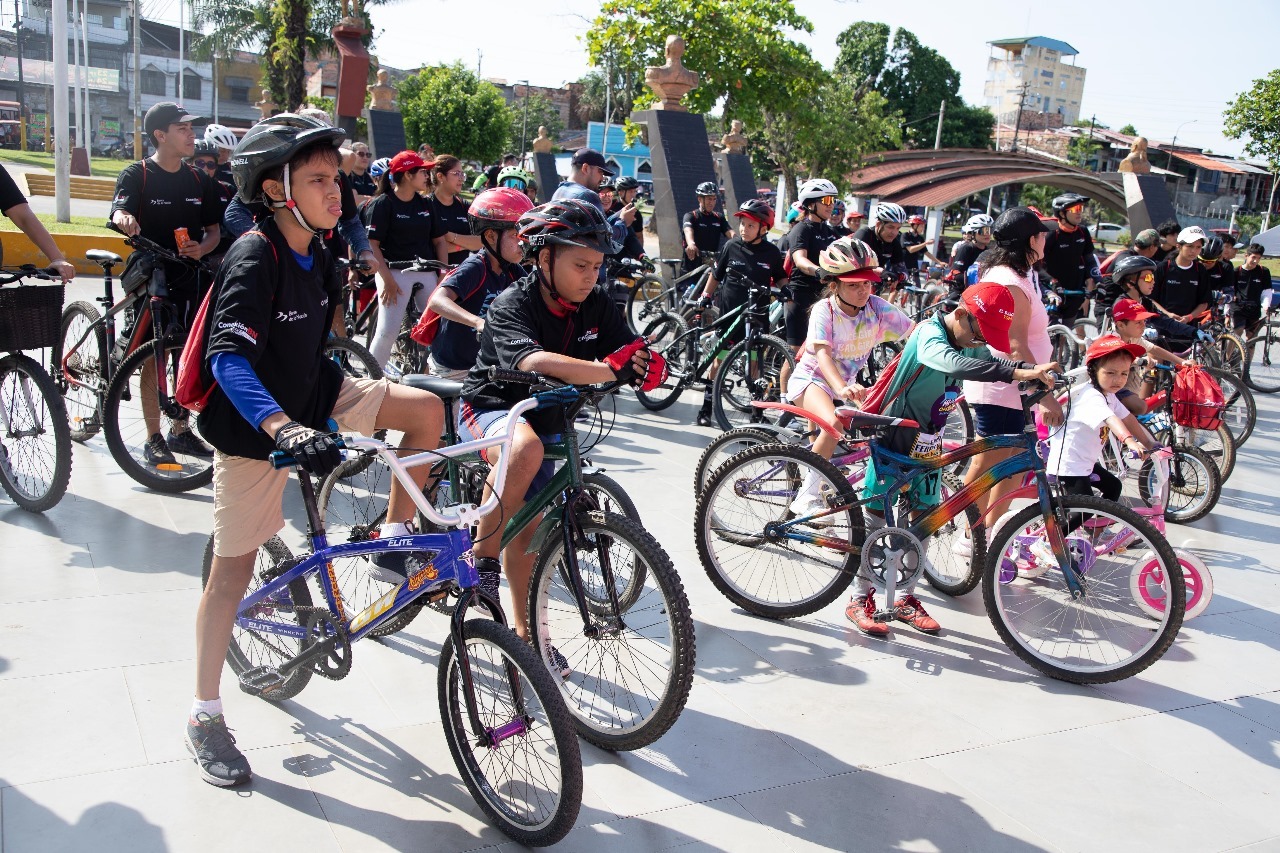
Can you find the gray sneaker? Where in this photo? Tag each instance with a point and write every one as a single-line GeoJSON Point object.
{"type": "Point", "coordinates": [213, 746]}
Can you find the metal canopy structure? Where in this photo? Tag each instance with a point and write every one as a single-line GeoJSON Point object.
{"type": "Point", "coordinates": [937, 178]}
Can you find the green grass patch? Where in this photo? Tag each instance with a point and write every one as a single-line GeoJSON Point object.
{"type": "Point", "coordinates": [77, 225]}
{"type": "Point", "coordinates": [100, 167]}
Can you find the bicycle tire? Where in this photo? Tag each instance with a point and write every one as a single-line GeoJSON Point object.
{"type": "Point", "coordinates": [726, 535]}
{"type": "Point", "coordinates": [728, 444]}
{"type": "Point", "coordinates": [1240, 413]}
{"type": "Point", "coordinates": [646, 300]}
{"type": "Point", "coordinates": [25, 470]}
{"type": "Point", "coordinates": [939, 549]}
{"type": "Point", "coordinates": [1218, 445]}
{"type": "Point", "coordinates": [356, 362]}
{"type": "Point", "coordinates": [610, 496]}
{"type": "Point", "coordinates": [81, 403]}
{"type": "Point", "coordinates": [1081, 624]}
{"type": "Point", "coordinates": [641, 668]}
{"type": "Point", "coordinates": [1262, 363]}
{"type": "Point", "coordinates": [734, 409]}
{"type": "Point", "coordinates": [1202, 485]}
{"type": "Point", "coordinates": [674, 340]}
{"type": "Point", "coordinates": [1230, 352]}
{"type": "Point", "coordinates": [353, 505]}
{"type": "Point", "coordinates": [275, 648]}
{"type": "Point", "coordinates": [495, 655]}
{"type": "Point", "coordinates": [126, 431]}
{"type": "Point", "coordinates": [960, 429]}
{"type": "Point", "coordinates": [1064, 346]}
{"type": "Point", "coordinates": [1091, 330]}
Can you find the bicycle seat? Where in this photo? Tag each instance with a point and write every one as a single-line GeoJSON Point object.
{"type": "Point", "coordinates": [103, 258]}
{"type": "Point", "coordinates": [445, 389]}
{"type": "Point", "coordinates": [851, 418]}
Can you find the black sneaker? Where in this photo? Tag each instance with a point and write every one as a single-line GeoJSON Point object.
{"type": "Point", "coordinates": [156, 453]}
{"type": "Point", "coordinates": [704, 416]}
{"type": "Point", "coordinates": [213, 746]}
{"type": "Point", "coordinates": [189, 444]}
{"type": "Point", "coordinates": [394, 566]}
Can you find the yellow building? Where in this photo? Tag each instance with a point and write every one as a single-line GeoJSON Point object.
{"type": "Point", "coordinates": [1036, 70]}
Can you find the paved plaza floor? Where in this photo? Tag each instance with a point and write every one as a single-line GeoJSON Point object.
{"type": "Point", "coordinates": [799, 735]}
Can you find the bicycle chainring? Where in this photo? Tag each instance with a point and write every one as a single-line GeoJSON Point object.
{"type": "Point", "coordinates": [320, 627]}
{"type": "Point", "coordinates": [895, 546]}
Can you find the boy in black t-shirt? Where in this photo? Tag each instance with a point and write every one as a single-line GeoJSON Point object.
{"type": "Point", "coordinates": [1252, 281]}
{"type": "Point", "coordinates": [272, 305]}
{"type": "Point", "coordinates": [1181, 290]}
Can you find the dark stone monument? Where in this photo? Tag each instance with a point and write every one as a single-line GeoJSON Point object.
{"type": "Point", "coordinates": [386, 132]}
{"type": "Point", "coordinates": [681, 160]}
{"type": "Point", "coordinates": [544, 172]}
{"type": "Point", "coordinates": [737, 178]}
{"type": "Point", "coordinates": [1147, 197]}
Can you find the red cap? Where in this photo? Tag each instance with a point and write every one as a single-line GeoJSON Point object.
{"type": "Point", "coordinates": [406, 160]}
{"type": "Point", "coordinates": [1130, 309]}
{"type": "Point", "coordinates": [991, 305]}
{"type": "Point", "coordinates": [1108, 344]}
{"type": "Point", "coordinates": [867, 274]}
{"type": "Point", "coordinates": [855, 214]}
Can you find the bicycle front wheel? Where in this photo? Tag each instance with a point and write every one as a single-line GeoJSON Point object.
{"type": "Point", "coordinates": [630, 671]}
{"type": "Point", "coordinates": [676, 342]}
{"type": "Point", "coordinates": [524, 768]}
{"type": "Point", "coordinates": [84, 367]}
{"type": "Point", "coordinates": [647, 300]}
{"type": "Point", "coordinates": [767, 569]}
{"type": "Point", "coordinates": [751, 373]}
{"type": "Point", "coordinates": [1105, 634]}
{"type": "Point", "coordinates": [731, 443]}
{"type": "Point", "coordinates": [1262, 363]}
{"type": "Point", "coordinates": [1194, 485]}
{"type": "Point", "coordinates": [35, 440]}
{"type": "Point", "coordinates": [133, 414]}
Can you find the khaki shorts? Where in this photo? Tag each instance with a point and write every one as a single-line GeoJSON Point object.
{"type": "Point", "coordinates": [248, 493]}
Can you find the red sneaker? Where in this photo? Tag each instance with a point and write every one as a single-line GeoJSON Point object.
{"type": "Point", "coordinates": [861, 612]}
{"type": "Point", "coordinates": [909, 609]}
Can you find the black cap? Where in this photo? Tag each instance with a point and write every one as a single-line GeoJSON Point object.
{"type": "Point", "coordinates": [1016, 224]}
{"type": "Point", "coordinates": [590, 157]}
{"type": "Point", "coordinates": [164, 114]}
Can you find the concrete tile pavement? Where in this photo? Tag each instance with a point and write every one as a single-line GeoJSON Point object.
{"type": "Point", "coordinates": [799, 735]}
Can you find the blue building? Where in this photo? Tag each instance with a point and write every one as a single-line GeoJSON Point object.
{"type": "Point", "coordinates": [632, 161]}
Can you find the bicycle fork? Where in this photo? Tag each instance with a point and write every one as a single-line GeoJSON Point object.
{"type": "Point", "coordinates": [571, 532]}
{"type": "Point", "coordinates": [7, 419]}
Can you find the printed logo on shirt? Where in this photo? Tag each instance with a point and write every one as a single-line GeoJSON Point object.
{"type": "Point", "coordinates": [159, 202]}
{"type": "Point", "coordinates": [523, 341]}
{"type": "Point", "coordinates": [235, 327]}
{"type": "Point", "coordinates": [195, 200]}
{"type": "Point", "coordinates": [590, 335]}
{"type": "Point", "coordinates": [290, 316]}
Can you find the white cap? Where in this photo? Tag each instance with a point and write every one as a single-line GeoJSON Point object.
{"type": "Point", "coordinates": [1192, 234]}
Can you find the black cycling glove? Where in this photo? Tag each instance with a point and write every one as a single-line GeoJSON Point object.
{"type": "Point", "coordinates": [314, 452]}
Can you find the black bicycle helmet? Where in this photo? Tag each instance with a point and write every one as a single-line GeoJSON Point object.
{"type": "Point", "coordinates": [205, 148]}
{"type": "Point", "coordinates": [758, 210]}
{"type": "Point", "coordinates": [1066, 200]}
{"type": "Point", "coordinates": [606, 183]}
{"type": "Point", "coordinates": [707, 188]}
{"type": "Point", "coordinates": [272, 143]}
{"type": "Point", "coordinates": [566, 222]}
{"type": "Point", "coordinates": [1130, 265]}
{"type": "Point", "coordinates": [626, 182]}
{"type": "Point", "coordinates": [1212, 248]}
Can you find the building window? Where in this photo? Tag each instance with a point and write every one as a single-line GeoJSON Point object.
{"type": "Point", "coordinates": [238, 89]}
{"type": "Point", "coordinates": [613, 166]}
{"type": "Point", "coordinates": [191, 86]}
{"type": "Point", "coordinates": [154, 82]}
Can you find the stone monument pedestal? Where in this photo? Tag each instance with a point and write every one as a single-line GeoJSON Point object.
{"type": "Point", "coordinates": [80, 162]}
{"type": "Point", "coordinates": [737, 179]}
{"type": "Point", "coordinates": [353, 73]}
{"type": "Point", "coordinates": [386, 132]}
{"type": "Point", "coordinates": [681, 160]}
{"type": "Point", "coordinates": [1148, 200]}
{"type": "Point", "coordinates": [544, 172]}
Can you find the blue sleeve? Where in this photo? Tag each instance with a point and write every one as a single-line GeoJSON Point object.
{"type": "Point", "coordinates": [620, 230]}
{"type": "Point", "coordinates": [243, 388]}
{"type": "Point", "coordinates": [352, 230]}
{"type": "Point", "coordinates": [237, 219]}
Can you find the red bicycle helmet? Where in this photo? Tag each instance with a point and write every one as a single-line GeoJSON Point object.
{"type": "Point", "coordinates": [754, 208]}
{"type": "Point", "coordinates": [498, 209]}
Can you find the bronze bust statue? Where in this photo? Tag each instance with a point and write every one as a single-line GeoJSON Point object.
{"type": "Point", "coordinates": [670, 82]}
{"type": "Point", "coordinates": [382, 95]}
{"type": "Point", "coordinates": [1136, 162]}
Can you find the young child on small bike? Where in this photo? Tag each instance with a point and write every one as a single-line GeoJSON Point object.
{"type": "Point", "coordinates": [271, 308]}
{"type": "Point", "coordinates": [1130, 320]}
{"type": "Point", "coordinates": [844, 328]}
{"type": "Point", "coordinates": [941, 352]}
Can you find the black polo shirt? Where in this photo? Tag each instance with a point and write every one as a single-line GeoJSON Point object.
{"type": "Point", "coordinates": [450, 219]}
{"type": "Point", "coordinates": [708, 229]}
{"type": "Point", "coordinates": [362, 183]}
{"type": "Point", "coordinates": [1068, 257]}
{"type": "Point", "coordinates": [1180, 290]}
{"type": "Point", "coordinates": [163, 201]}
{"type": "Point", "coordinates": [1250, 283]}
{"type": "Point", "coordinates": [402, 228]}
{"type": "Point", "coordinates": [887, 251]}
{"type": "Point", "coordinates": [739, 263]}
{"type": "Point", "coordinates": [277, 315]}
{"type": "Point", "coordinates": [812, 237]}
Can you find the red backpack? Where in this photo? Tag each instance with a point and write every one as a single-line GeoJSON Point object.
{"type": "Point", "coordinates": [428, 325]}
{"type": "Point", "coordinates": [875, 402]}
{"type": "Point", "coordinates": [190, 390]}
{"type": "Point", "coordinates": [1198, 400]}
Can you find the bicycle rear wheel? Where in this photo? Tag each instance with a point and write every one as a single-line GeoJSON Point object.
{"type": "Point", "coordinates": [84, 366]}
{"type": "Point", "coordinates": [1262, 363]}
{"type": "Point", "coordinates": [646, 301]}
{"type": "Point", "coordinates": [250, 649]}
{"type": "Point", "coordinates": [126, 430]}
{"type": "Point", "coordinates": [630, 673]}
{"type": "Point", "coordinates": [1241, 412]}
{"type": "Point", "coordinates": [525, 769]}
{"type": "Point", "coordinates": [1194, 485]}
{"type": "Point", "coordinates": [764, 570]}
{"type": "Point", "coordinates": [947, 568]}
{"type": "Point", "coordinates": [1103, 635]}
{"type": "Point", "coordinates": [35, 439]}
{"type": "Point", "coordinates": [675, 341]}
{"type": "Point", "coordinates": [731, 443]}
{"type": "Point", "coordinates": [751, 372]}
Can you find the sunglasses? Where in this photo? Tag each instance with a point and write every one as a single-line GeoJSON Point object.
{"type": "Point", "coordinates": [827, 199]}
{"type": "Point", "coordinates": [363, 154]}
{"type": "Point", "coordinates": [1075, 208]}
{"type": "Point", "coordinates": [206, 164]}
{"type": "Point", "coordinates": [1147, 276]}
{"type": "Point", "coordinates": [975, 331]}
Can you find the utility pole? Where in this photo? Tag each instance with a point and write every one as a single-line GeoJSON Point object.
{"type": "Point", "coordinates": [137, 78]}
{"type": "Point", "coordinates": [22, 97]}
{"type": "Point", "coordinates": [181, 56]}
{"type": "Point", "coordinates": [1017, 124]}
{"type": "Point", "coordinates": [937, 139]}
{"type": "Point", "coordinates": [1088, 151]}
{"type": "Point", "coordinates": [59, 115]}
{"type": "Point", "coordinates": [524, 120]}
{"type": "Point", "coordinates": [87, 135]}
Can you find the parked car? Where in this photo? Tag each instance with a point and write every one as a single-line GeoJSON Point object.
{"type": "Point", "coordinates": [1108, 232]}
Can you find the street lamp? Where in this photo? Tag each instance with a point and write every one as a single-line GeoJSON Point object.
{"type": "Point", "coordinates": [1168, 155]}
{"type": "Point", "coordinates": [524, 119]}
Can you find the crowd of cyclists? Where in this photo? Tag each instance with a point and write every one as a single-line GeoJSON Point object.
{"type": "Point", "coordinates": [516, 285]}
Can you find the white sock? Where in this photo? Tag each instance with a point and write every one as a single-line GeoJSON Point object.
{"type": "Point", "coordinates": [394, 528]}
{"type": "Point", "coordinates": [212, 707]}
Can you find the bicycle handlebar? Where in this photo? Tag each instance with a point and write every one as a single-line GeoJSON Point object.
{"type": "Point", "coordinates": [143, 244]}
{"type": "Point", "coordinates": [8, 275]}
{"type": "Point", "coordinates": [420, 265]}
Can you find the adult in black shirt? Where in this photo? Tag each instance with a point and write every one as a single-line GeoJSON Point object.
{"type": "Point", "coordinates": [206, 161]}
{"type": "Point", "coordinates": [703, 229]}
{"type": "Point", "coordinates": [808, 237]}
{"type": "Point", "coordinates": [361, 181]}
{"type": "Point", "coordinates": [883, 240]}
{"type": "Point", "coordinates": [1069, 259]}
{"type": "Point", "coordinates": [1252, 280]}
{"type": "Point", "coordinates": [13, 204]}
{"type": "Point", "coordinates": [1182, 290]}
{"type": "Point", "coordinates": [450, 232]}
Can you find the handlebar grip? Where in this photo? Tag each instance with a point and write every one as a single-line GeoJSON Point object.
{"type": "Point", "coordinates": [555, 397]}
{"type": "Point", "coordinates": [519, 377]}
{"type": "Point", "coordinates": [279, 459]}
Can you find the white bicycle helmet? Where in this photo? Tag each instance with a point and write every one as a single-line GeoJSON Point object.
{"type": "Point", "coordinates": [977, 223]}
{"type": "Point", "coordinates": [378, 167]}
{"type": "Point", "coordinates": [221, 136]}
{"type": "Point", "coordinates": [887, 211]}
{"type": "Point", "coordinates": [817, 188]}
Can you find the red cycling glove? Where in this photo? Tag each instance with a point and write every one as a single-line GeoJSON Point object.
{"type": "Point", "coordinates": [620, 363]}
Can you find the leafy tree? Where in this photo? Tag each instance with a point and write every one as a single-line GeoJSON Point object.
{"type": "Point", "coordinates": [457, 112]}
{"type": "Point", "coordinates": [1129, 130]}
{"type": "Point", "coordinates": [1255, 116]}
{"type": "Point", "coordinates": [623, 88]}
{"type": "Point", "coordinates": [288, 51]}
{"type": "Point", "coordinates": [967, 127]}
{"type": "Point", "coordinates": [525, 118]}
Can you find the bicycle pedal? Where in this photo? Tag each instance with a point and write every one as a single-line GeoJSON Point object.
{"type": "Point", "coordinates": [883, 615]}
{"type": "Point", "coordinates": [261, 681]}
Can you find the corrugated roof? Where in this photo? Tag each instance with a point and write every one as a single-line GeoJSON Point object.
{"type": "Point", "coordinates": [1038, 41]}
{"type": "Point", "coordinates": [1204, 162]}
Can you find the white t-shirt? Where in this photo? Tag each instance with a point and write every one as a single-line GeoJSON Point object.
{"type": "Point", "coordinates": [1076, 447]}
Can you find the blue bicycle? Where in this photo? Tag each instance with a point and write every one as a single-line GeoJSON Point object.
{"type": "Point", "coordinates": [506, 723]}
